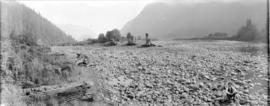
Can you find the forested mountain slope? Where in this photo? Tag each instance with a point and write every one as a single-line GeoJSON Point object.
{"type": "Point", "coordinates": [20, 19]}
{"type": "Point", "coordinates": [171, 21]}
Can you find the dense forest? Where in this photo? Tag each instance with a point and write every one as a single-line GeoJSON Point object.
{"type": "Point", "coordinates": [20, 19]}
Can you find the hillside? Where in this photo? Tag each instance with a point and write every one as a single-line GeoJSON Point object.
{"type": "Point", "coordinates": [20, 19]}
{"type": "Point", "coordinates": [171, 21]}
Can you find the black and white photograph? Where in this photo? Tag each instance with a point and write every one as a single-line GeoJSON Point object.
{"type": "Point", "coordinates": [134, 53]}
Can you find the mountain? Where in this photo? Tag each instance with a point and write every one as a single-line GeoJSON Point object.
{"type": "Point", "coordinates": [78, 32]}
{"type": "Point", "coordinates": [20, 19]}
{"type": "Point", "coordinates": [170, 21]}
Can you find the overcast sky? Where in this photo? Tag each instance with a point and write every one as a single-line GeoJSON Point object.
{"type": "Point", "coordinates": [97, 15]}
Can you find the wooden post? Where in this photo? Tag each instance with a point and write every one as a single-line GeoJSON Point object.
{"type": "Point", "coordinates": [268, 52]}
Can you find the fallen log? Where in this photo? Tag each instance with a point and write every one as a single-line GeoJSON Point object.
{"type": "Point", "coordinates": [58, 91]}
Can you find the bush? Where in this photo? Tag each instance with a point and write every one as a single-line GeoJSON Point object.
{"type": "Point", "coordinates": [113, 35]}
{"type": "Point", "coordinates": [217, 36]}
{"type": "Point", "coordinates": [25, 39]}
{"type": "Point", "coordinates": [130, 40]}
{"type": "Point", "coordinates": [247, 33]}
{"type": "Point", "coordinates": [32, 65]}
{"type": "Point", "coordinates": [91, 41]}
{"type": "Point", "coordinates": [102, 38]}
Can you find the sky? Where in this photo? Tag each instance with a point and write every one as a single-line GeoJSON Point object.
{"type": "Point", "coordinates": [97, 15]}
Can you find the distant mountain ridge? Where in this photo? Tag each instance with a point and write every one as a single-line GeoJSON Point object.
{"type": "Point", "coordinates": [78, 32]}
{"type": "Point", "coordinates": [20, 19]}
{"type": "Point", "coordinates": [170, 21]}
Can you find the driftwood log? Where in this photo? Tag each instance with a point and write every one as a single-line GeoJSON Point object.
{"type": "Point", "coordinates": [65, 92]}
{"type": "Point", "coordinates": [148, 42]}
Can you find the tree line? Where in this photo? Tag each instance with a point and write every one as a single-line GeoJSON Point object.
{"type": "Point", "coordinates": [248, 33]}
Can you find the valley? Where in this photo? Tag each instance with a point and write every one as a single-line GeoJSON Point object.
{"type": "Point", "coordinates": [178, 73]}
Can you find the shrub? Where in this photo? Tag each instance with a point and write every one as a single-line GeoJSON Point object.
{"type": "Point", "coordinates": [247, 33]}
{"type": "Point", "coordinates": [25, 39]}
{"type": "Point", "coordinates": [91, 41]}
{"type": "Point", "coordinates": [113, 35]}
{"type": "Point", "coordinates": [32, 65]}
{"type": "Point", "coordinates": [218, 35]}
{"type": "Point", "coordinates": [130, 39]}
{"type": "Point", "coordinates": [102, 38]}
